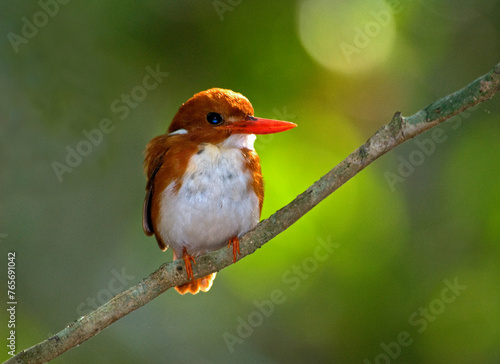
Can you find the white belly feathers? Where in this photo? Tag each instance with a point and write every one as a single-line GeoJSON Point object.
{"type": "Point", "coordinates": [214, 202]}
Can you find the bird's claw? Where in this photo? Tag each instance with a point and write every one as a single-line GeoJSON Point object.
{"type": "Point", "coordinates": [187, 262]}
{"type": "Point", "coordinates": [235, 242]}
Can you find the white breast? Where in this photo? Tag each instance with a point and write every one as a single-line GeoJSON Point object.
{"type": "Point", "coordinates": [214, 202]}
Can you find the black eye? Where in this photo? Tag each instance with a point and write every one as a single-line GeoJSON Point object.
{"type": "Point", "coordinates": [214, 118]}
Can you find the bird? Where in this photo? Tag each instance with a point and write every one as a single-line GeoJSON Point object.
{"type": "Point", "coordinates": [204, 182]}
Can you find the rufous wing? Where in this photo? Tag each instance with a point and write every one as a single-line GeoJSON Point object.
{"type": "Point", "coordinates": [153, 161]}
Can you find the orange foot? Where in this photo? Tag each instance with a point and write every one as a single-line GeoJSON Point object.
{"type": "Point", "coordinates": [235, 242]}
{"type": "Point", "coordinates": [195, 285]}
{"type": "Point", "coordinates": [187, 262]}
{"type": "Point", "coordinates": [200, 284]}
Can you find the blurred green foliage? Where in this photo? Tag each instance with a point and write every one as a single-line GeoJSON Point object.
{"type": "Point", "coordinates": [393, 246]}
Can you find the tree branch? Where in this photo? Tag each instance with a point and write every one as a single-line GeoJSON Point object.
{"type": "Point", "coordinates": [397, 131]}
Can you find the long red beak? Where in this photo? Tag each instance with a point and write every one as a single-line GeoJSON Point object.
{"type": "Point", "coordinates": [253, 125]}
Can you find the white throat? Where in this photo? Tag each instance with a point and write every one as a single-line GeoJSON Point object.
{"type": "Point", "coordinates": [239, 141]}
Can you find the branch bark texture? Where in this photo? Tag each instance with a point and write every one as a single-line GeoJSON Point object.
{"type": "Point", "coordinates": [397, 131]}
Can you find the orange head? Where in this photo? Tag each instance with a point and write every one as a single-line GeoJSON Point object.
{"type": "Point", "coordinates": [218, 113]}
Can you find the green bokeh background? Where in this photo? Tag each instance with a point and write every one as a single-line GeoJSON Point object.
{"type": "Point", "coordinates": [395, 244]}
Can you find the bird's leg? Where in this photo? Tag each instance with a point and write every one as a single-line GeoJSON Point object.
{"type": "Point", "coordinates": [235, 242]}
{"type": "Point", "coordinates": [187, 262]}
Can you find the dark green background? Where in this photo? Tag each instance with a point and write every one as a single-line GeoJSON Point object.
{"type": "Point", "coordinates": [394, 245]}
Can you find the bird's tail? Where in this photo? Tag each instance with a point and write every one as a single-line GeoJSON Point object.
{"type": "Point", "coordinates": [200, 284]}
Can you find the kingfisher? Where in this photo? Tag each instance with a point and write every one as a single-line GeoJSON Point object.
{"type": "Point", "coordinates": [204, 182]}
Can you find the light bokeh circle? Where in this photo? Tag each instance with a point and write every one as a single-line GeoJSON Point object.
{"type": "Point", "coordinates": [348, 36]}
